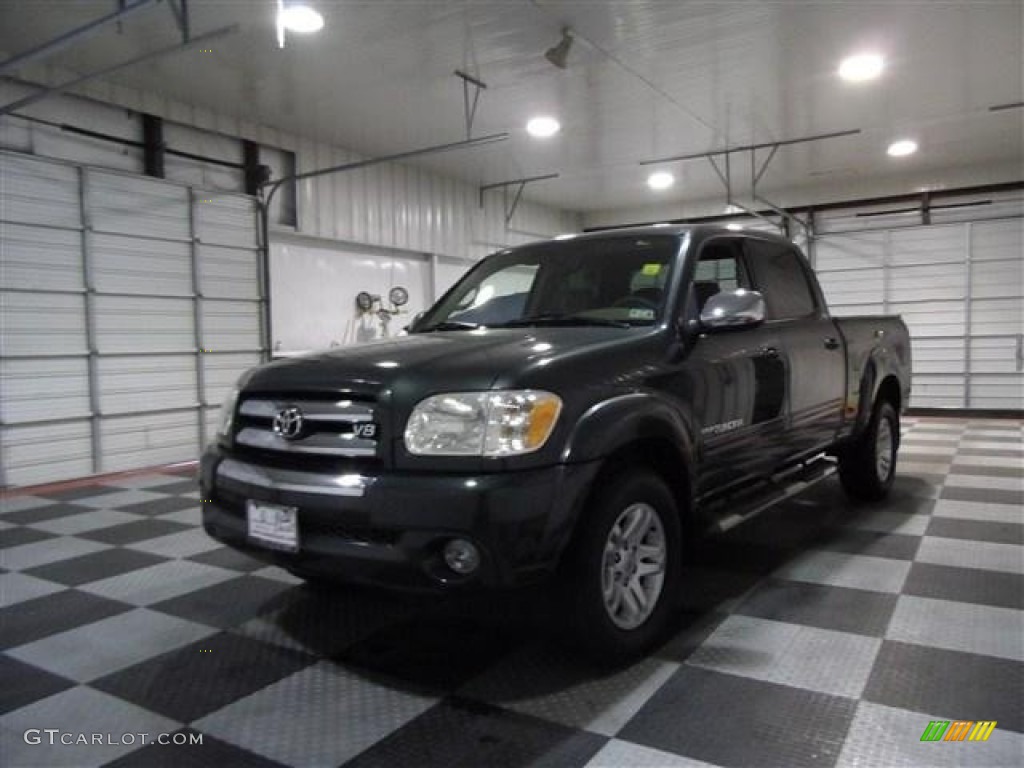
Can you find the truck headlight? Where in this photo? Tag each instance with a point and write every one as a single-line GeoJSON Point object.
{"type": "Point", "coordinates": [227, 414]}
{"type": "Point", "coordinates": [503, 423]}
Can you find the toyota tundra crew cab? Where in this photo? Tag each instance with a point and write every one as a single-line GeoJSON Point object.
{"type": "Point", "coordinates": [576, 410]}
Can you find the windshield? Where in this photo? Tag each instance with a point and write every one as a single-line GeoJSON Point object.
{"type": "Point", "coordinates": [618, 281]}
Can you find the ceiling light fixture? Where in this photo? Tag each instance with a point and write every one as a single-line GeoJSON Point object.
{"type": "Point", "coordinates": [861, 68]}
{"type": "Point", "coordinates": [298, 17]}
{"type": "Point", "coordinates": [559, 54]}
{"type": "Point", "coordinates": [543, 127]}
{"type": "Point", "coordinates": [902, 148]}
{"type": "Point", "coordinates": [660, 180]}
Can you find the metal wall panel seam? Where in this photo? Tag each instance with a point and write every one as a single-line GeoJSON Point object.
{"type": "Point", "coordinates": [968, 283]}
{"type": "Point", "coordinates": [90, 320]}
{"type": "Point", "coordinates": [197, 320]}
{"type": "Point", "coordinates": [58, 227]}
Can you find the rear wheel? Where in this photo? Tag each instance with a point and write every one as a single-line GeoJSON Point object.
{"type": "Point", "coordinates": [625, 568]}
{"type": "Point", "coordinates": [867, 467]}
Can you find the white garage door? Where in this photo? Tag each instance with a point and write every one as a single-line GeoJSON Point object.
{"type": "Point", "coordinates": [129, 306]}
{"type": "Point", "coordinates": [959, 286]}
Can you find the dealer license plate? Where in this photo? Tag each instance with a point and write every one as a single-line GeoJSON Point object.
{"type": "Point", "coordinates": [273, 526]}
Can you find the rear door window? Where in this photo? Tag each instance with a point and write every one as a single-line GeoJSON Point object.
{"type": "Point", "coordinates": [779, 275]}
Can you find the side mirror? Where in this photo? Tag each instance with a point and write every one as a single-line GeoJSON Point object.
{"type": "Point", "coordinates": [733, 310]}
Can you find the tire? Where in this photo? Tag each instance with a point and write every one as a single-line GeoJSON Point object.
{"type": "Point", "coordinates": [600, 597]}
{"type": "Point", "coordinates": [867, 467]}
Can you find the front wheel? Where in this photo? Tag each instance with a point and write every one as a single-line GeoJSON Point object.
{"type": "Point", "coordinates": [625, 568]}
{"type": "Point", "coordinates": [867, 467]}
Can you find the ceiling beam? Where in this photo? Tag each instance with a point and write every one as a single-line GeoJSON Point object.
{"type": "Point", "coordinates": [71, 36]}
{"type": "Point", "coordinates": [46, 92]}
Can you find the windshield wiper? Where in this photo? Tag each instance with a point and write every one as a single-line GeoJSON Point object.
{"type": "Point", "coordinates": [555, 318]}
{"type": "Point", "coordinates": [449, 325]}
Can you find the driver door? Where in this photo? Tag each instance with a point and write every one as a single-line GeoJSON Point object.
{"type": "Point", "coordinates": [735, 379]}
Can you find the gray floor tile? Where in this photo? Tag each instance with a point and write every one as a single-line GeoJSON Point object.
{"type": "Point", "coordinates": [879, 574]}
{"type": "Point", "coordinates": [108, 645]}
{"type": "Point", "coordinates": [961, 553]}
{"type": "Point", "coordinates": [333, 715]}
{"type": "Point", "coordinates": [1012, 483]}
{"type": "Point", "coordinates": [18, 587]}
{"type": "Point", "coordinates": [78, 710]}
{"type": "Point", "coordinates": [84, 522]}
{"type": "Point", "coordinates": [159, 582]}
{"type": "Point", "coordinates": [182, 544]}
{"type": "Point", "coordinates": [977, 510]}
{"type": "Point", "coordinates": [551, 685]}
{"type": "Point", "coordinates": [120, 499]}
{"type": "Point", "coordinates": [624, 754]}
{"type": "Point", "coordinates": [10, 504]}
{"type": "Point", "coordinates": [891, 737]}
{"type": "Point", "coordinates": [822, 660]}
{"type": "Point", "coordinates": [191, 516]}
{"type": "Point", "coordinates": [48, 551]}
{"type": "Point", "coordinates": [979, 629]}
{"type": "Point", "coordinates": [1012, 463]}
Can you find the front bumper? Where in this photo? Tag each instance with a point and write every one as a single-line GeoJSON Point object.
{"type": "Point", "coordinates": [390, 529]}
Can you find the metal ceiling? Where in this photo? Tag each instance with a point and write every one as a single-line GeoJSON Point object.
{"type": "Point", "coordinates": [644, 79]}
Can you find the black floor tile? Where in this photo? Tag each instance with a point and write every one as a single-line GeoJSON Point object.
{"type": "Point", "coordinates": [211, 752]}
{"type": "Point", "coordinates": [177, 485]}
{"type": "Point", "coordinates": [232, 559]}
{"type": "Point", "coordinates": [24, 684]}
{"type": "Point", "coordinates": [874, 543]}
{"type": "Point", "coordinates": [954, 684]}
{"type": "Point", "coordinates": [988, 495]}
{"type": "Point", "coordinates": [15, 537]}
{"type": "Point", "coordinates": [137, 530]}
{"type": "Point", "coordinates": [436, 651]}
{"type": "Point", "coordinates": [966, 585]}
{"type": "Point", "coordinates": [95, 566]}
{"type": "Point", "coordinates": [228, 603]}
{"type": "Point", "coordinates": [187, 684]}
{"type": "Point", "coordinates": [976, 530]}
{"type": "Point", "coordinates": [34, 619]}
{"type": "Point", "coordinates": [734, 721]}
{"type": "Point", "coordinates": [691, 630]}
{"type": "Point", "coordinates": [828, 607]}
{"type": "Point", "coordinates": [85, 492]}
{"type": "Point", "coordinates": [42, 514]}
{"type": "Point", "coordinates": [160, 506]}
{"type": "Point", "coordinates": [458, 733]}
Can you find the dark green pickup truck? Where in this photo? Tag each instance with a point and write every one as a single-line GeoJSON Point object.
{"type": "Point", "coordinates": [572, 410]}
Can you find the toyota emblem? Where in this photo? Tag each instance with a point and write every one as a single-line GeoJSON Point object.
{"type": "Point", "coordinates": [288, 423]}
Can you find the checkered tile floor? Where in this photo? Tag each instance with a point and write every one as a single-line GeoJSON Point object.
{"type": "Point", "coordinates": [818, 634]}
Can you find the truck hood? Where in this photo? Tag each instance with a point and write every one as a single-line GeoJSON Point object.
{"type": "Point", "coordinates": [420, 364]}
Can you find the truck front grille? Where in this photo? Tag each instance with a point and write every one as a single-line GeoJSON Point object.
{"type": "Point", "coordinates": [342, 427]}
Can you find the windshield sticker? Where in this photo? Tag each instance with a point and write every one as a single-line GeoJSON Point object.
{"type": "Point", "coordinates": [651, 269]}
{"type": "Point", "coordinates": [641, 314]}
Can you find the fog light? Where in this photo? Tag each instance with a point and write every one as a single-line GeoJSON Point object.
{"type": "Point", "coordinates": [461, 556]}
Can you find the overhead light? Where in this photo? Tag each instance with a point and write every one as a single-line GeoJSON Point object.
{"type": "Point", "coordinates": [543, 127]}
{"type": "Point", "coordinates": [559, 54]}
{"type": "Point", "coordinates": [299, 17]}
{"type": "Point", "coordinates": [902, 148]}
{"type": "Point", "coordinates": [862, 67]}
{"type": "Point", "coordinates": [660, 180]}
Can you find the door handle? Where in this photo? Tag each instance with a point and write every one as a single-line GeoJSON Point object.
{"type": "Point", "coordinates": [769, 352]}
{"type": "Point", "coordinates": [831, 342]}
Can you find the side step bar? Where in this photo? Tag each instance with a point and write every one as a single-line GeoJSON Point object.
{"type": "Point", "coordinates": [739, 507]}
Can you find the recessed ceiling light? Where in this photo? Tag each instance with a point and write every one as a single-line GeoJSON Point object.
{"type": "Point", "coordinates": [543, 127]}
{"type": "Point", "coordinates": [660, 180]}
{"type": "Point", "coordinates": [902, 148]}
{"type": "Point", "coordinates": [862, 67]}
{"type": "Point", "coordinates": [298, 17]}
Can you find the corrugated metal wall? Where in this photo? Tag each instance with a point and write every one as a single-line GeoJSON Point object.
{"type": "Point", "coordinates": [958, 282]}
{"type": "Point", "coordinates": [129, 306]}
